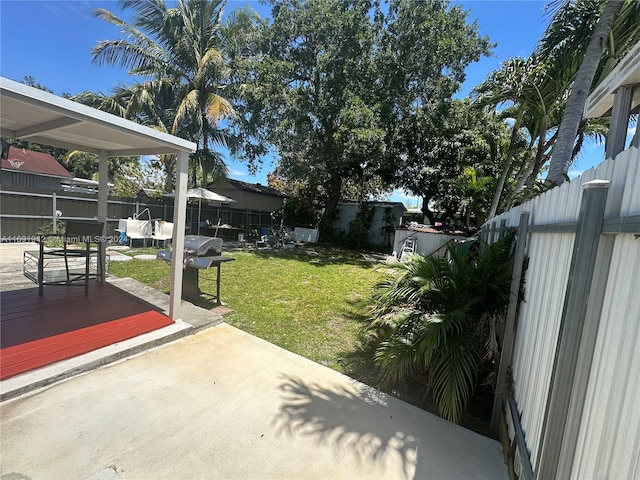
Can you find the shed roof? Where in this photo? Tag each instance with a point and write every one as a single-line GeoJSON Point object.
{"type": "Point", "coordinates": [377, 203]}
{"type": "Point", "coordinates": [28, 161]}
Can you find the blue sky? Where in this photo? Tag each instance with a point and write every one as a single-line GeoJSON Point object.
{"type": "Point", "coordinates": [51, 41]}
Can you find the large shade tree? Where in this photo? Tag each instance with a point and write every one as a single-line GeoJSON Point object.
{"type": "Point", "coordinates": [421, 59]}
{"type": "Point", "coordinates": [311, 96]}
{"type": "Point", "coordinates": [339, 82]}
{"type": "Point", "coordinates": [436, 149]}
{"type": "Point", "coordinates": [186, 86]}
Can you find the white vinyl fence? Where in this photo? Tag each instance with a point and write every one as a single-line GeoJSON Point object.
{"type": "Point", "coordinates": [589, 425]}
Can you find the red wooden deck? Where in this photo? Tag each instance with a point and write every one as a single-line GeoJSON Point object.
{"type": "Point", "coordinates": [63, 323]}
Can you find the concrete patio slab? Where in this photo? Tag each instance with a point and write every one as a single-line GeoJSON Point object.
{"type": "Point", "coordinates": [224, 404]}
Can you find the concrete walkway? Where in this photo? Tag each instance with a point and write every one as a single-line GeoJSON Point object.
{"type": "Point", "coordinates": [224, 404]}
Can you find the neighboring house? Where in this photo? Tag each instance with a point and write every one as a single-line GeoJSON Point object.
{"type": "Point", "coordinates": [393, 212]}
{"type": "Point", "coordinates": [29, 169]}
{"type": "Point", "coordinates": [250, 196]}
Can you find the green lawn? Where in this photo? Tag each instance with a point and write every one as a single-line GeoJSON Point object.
{"type": "Point", "coordinates": [305, 300]}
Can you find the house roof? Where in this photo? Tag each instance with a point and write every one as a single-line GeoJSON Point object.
{"type": "Point", "coordinates": [378, 203]}
{"type": "Point", "coordinates": [28, 161]}
{"type": "Point", "coordinates": [437, 230]}
{"type": "Point", "coordinates": [41, 117]}
{"type": "Point", "coordinates": [255, 188]}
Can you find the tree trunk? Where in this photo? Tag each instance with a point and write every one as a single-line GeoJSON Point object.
{"type": "Point", "coordinates": [521, 183]}
{"type": "Point", "coordinates": [561, 158]}
{"type": "Point", "coordinates": [426, 211]}
{"type": "Point", "coordinates": [505, 168]}
{"type": "Point", "coordinates": [333, 197]}
{"type": "Point", "coordinates": [540, 157]}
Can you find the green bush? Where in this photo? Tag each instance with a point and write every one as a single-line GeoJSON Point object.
{"type": "Point", "coordinates": [435, 318]}
{"type": "Point", "coordinates": [54, 242]}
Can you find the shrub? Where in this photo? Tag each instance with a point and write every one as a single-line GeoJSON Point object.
{"type": "Point", "coordinates": [436, 318]}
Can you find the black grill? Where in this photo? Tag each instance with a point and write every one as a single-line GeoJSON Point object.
{"type": "Point", "coordinates": [196, 249]}
{"type": "Point", "coordinates": [200, 252]}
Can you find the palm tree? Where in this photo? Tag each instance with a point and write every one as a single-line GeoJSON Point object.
{"type": "Point", "coordinates": [436, 317]}
{"type": "Point", "coordinates": [561, 159]}
{"type": "Point", "coordinates": [187, 89]}
{"type": "Point", "coordinates": [533, 91]}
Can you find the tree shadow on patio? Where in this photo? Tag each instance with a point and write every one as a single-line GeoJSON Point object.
{"type": "Point", "coordinates": [356, 420]}
{"type": "Point", "coordinates": [396, 439]}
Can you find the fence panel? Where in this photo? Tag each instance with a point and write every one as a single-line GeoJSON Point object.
{"type": "Point", "coordinates": [23, 213]}
{"type": "Point", "coordinates": [609, 441]}
{"type": "Point", "coordinates": [537, 329]}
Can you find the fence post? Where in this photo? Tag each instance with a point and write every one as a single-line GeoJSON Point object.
{"type": "Point", "coordinates": [619, 121]}
{"type": "Point", "coordinates": [581, 270]}
{"type": "Point", "coordinates": [508, 337]}
{"type": "Point", "coordinates": [502, 230]}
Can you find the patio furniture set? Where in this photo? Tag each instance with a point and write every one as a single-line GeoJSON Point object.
{"type": "Point", "coordinates": [75, 264]}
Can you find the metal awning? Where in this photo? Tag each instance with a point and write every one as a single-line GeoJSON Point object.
{"type": "Point", "coordinates": [627, 72]}
{"type": "Point", "coordinates": [37, 116]}
{"type": "Point", "coordinates": [34, 115]}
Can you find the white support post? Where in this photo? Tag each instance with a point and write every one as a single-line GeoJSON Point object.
{"type": "Point", "coordinates": [619, 121]}
{"type": "Point", "coordinates": [177, 250]}
{"type": "Point", "coordinates": [54, 199]}
{"type": "Point", "coordinates": [103, 197]}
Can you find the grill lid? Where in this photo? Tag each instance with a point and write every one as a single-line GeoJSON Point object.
{"type": "Point", "coordinates": [202, 246]}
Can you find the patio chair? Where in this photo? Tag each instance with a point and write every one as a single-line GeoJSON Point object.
{"type": "Point", "coordinates": [163, 231]}
{"type": "Point", "coordinates": [138, 230]}
{"type": "Point", "coordinates": [122, 231]}
{"type": "Point", "coordinates": [68, 265]}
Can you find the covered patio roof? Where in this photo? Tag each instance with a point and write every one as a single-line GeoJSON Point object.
{"type": "Point", "coordinates": [32, 114]}
{"type": "Point", "coordinates": [37, 116]}
{"type": "Point", "coordinates": [627, 72]}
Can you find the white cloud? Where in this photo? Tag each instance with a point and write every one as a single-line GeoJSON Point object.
{"type": "Point", "coordinates": [237, 173]}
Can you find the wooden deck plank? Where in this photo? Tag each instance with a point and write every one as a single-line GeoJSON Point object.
{"type": "Point", "coordinates": [29, 356]}
{"type": "Point", "coordinates": [37, 330]}
{"type": "Point", "coordinates": [29, 317]}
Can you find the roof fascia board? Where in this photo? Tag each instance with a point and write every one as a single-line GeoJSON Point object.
{"type": "Point", "coordinates": [5, 132]}
{"type": "Point", "coordinates": [599, 102]}
{"type": "Point", "coordinates": [134, 152]}
{"type": "Point", "coordinates": [69, 108]}
{"type": "Point", "coordinates": [29, 172]}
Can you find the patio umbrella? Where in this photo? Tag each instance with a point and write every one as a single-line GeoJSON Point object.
{"type": "Point", "coordinates": [204, 194]}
